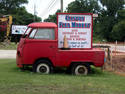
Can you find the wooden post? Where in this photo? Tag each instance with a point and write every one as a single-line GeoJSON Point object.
{"type": "Point", "coordinates": [108, 54]}
{"type": "Point", "coordinates": [111, 61]}
{"type": "Point", "coordinates": [124, 43]}
{"type": "Point", "coordinates": [115, 46]}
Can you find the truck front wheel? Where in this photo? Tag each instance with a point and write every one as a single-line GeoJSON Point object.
{"type": "Point", "coordinates": [80, 69]}
{"type": "Point", "coordinates": [42, 66]}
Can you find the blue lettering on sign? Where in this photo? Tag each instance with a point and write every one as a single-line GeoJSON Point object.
{"type": "Point", "coordinates": [64, 25]}
{"type": "Point", "coordinates": [80, 25]}
{"type": "Point", "coordinates": [74, 18]}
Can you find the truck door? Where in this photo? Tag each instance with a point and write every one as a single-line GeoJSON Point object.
{"type": "Point", "coordinates": [40, 43]}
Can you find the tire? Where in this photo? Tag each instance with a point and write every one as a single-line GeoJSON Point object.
{"type": "Point", "coordinates": [80, 69]}
{"type": "Point", "coordinates": [43, 67]}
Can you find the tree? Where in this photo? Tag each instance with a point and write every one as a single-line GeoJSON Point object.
{"type": "Point", "coordinates": [118, 32]}
{"type": "Point", "coordinates": [52, 18]}
{"type": "Point", "coordinates": [83, 6]}
{"type": "Point", "coordinates": [18, 11]}
{"type": "Point", "coordinates": [7, 6]}
{"type": "Point", "coordinates": [119, 28]}
{"type": "Point", "coordinates": [112, 6]}
{"type": "Point", "coordinates": [108, 16]}
{"type": "Point", "coordinates": [22, 17]}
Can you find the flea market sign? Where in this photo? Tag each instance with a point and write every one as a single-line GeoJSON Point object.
{"type": "Point", "coordinates": [77, 28]}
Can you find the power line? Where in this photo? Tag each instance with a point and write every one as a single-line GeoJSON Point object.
{"type": "Point", "coordinates": [52, 4]}
{"type": "Point", "coordinates": [47, 9]}
{"type": "Point", "coordinates": [56, 1]}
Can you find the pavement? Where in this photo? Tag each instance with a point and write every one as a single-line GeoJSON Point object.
{"type": "Point", "coordinates": [7, 54]}
{"type": "Point", "coordinates": [119, 48]}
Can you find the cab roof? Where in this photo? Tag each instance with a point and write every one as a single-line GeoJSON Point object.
{"type": "Point", "coordinates": [42, 25]}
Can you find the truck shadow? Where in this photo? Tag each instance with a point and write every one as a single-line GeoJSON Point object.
{"type": "Point", "coordinates": [94, 71]}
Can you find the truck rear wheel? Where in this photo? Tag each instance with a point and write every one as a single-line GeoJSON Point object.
{"type": "Point", "coordinates": [42, 66]}
{"type": "Point", "coordinates": [80, 69]}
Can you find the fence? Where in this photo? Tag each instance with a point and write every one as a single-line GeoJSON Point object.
{"type": "Point", "coordinates": [115, 56]}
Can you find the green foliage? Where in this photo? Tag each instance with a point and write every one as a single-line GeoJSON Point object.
{"type": "Point", "coordinates": [121, 15]}
{"type": "Point", "coordinates": [83, 6]}
{"type": "Point", "coordinates": [52, 18]}
{"type": "Point", "coordinates": [8, 6]}
{"type": "Point", "coordinates": [108, 18]}
{"type": "Point", "coordinates": [118, 32]}
{"type": "Point", "coordinates": [22, 17]}
{"type": "Point", "coordinates": [18, 11]}
{"type": "Point", "coordinates": [119, 28]}
{"type": "Point", "coordinates": [112, 6]}
{"type": "Point", "coordinates": [8, 46]}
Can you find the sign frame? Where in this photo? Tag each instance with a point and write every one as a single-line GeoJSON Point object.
{"type": "Point", "coordinates": [79, 14]}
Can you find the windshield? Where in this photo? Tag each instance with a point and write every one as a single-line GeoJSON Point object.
{"type": "Point", "coordinates": [27, 32]}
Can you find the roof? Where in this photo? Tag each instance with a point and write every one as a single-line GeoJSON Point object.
{"type": "Point", "coordinates": [42, 24]}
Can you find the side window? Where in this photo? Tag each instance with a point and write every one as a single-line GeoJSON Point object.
{"type": "Point", "coordinates": [32, 33]}
{"type": "Point", "coordinates": [45, 34]}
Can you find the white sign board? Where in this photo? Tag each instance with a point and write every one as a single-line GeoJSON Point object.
{"type": "Point", "coordinates": [77, 28]}
{"type": "Point", "coordinates": [18, 29]}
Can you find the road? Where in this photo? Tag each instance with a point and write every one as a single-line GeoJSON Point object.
{"type": "Point", "coordinates": [120, 48]}
{"type": "Point", "coordinates": [7, 54]}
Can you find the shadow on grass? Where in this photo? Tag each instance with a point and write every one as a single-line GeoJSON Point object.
{"type": "Point", "coordinates": [94, 71]}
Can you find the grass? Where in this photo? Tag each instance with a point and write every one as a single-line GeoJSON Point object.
{"type": "Point", "coordinates": [8, 46]}
{"type": "Point", "coordinates": [14, 81]}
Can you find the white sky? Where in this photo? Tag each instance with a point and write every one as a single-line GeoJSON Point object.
{"type": "Point", "coordinates": [45, 7]}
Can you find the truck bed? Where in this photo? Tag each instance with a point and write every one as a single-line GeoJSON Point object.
{"type": "Point", "coordinates": [94, 56]}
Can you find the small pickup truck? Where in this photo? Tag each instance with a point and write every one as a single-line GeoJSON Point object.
{"type": "Point", "coordinates": [39, 48]}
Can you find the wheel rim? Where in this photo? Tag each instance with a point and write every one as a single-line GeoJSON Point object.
{"type": "Point", "coordinates": [81, 70]}
{"type": "Point", "coordinates": [43, 68]}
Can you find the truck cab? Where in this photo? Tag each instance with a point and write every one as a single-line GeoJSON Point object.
{"type": "Point", "coordinates": [39, 48]}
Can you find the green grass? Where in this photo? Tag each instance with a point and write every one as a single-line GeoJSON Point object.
{"type": "Point", "coordinates": [8, 46]}
{"type": "Point", "coordinates": [14, 81]}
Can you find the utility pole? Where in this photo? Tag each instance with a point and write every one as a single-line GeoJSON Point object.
{"type": "Point", "coordinates": [62, 6]}
{"type": "Point", "coordinates": [34, 12]}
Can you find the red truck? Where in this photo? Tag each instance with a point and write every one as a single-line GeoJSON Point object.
{"type": "Point", "coordinates": [39, 48]}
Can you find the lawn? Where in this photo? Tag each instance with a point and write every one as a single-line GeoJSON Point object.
{"type": "Point", "coordinates": [14, 81]}
{"type": "Point", "coordinates": [8, 46]}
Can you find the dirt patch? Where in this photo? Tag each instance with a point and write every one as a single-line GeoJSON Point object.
{"type": "Point", "coordinates": [117, 62]}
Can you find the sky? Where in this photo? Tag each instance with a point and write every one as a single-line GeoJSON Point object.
{"type": "Point", "coordinates": [43, 8]}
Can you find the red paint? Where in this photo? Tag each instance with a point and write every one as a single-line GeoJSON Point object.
{"type": "Point", "coordinates": [30, 50]}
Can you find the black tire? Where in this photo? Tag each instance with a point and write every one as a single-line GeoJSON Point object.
{"type": "Point", "coordinates": [43, 67]}
{"type": "Point", "coordinates": [80, 69]}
